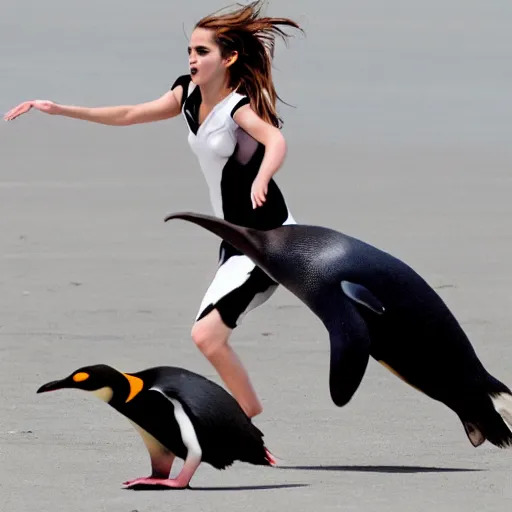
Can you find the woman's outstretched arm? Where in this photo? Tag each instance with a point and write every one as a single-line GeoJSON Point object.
{"type": "Point", "coordinates": [165, 107]}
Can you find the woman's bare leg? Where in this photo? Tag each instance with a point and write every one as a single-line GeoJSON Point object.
{"type": "Point", "coordinates": [211, 336]}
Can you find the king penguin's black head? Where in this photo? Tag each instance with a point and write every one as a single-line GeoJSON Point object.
{"type": "Point", "coordinates": [102, 380]}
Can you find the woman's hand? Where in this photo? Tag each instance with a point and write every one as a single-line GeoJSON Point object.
{"type": "Point", "coordinates": [259, 191]}
{"type": "Point", "coordinates": [46, 106]}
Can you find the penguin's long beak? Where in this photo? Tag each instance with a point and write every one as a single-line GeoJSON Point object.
{"type": "Point", "coordinates": [54, 385]}
{"type": "Point", "coordinates": [248, 241]}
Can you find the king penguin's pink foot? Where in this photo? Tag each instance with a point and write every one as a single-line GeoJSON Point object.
{"type": "Point", "coordinates": [270, 458]}
{"type": "Point", "coordinates": [175, 483]}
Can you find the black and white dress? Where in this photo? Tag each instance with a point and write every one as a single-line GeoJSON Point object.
{"type": "Point", "coordinates": [230, 160]}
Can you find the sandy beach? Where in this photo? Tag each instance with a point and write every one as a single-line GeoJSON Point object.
{"type": "Point", "coordinates": [399, 135]}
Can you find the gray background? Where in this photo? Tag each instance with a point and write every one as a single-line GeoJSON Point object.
{"type": "Point", "coordinates": [400, 136]}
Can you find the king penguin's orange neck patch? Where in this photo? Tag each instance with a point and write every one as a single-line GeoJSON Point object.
{"type": "Point", "coordinates": [80, 377]}
{"type": "Point", "coordinates": [136, 386]}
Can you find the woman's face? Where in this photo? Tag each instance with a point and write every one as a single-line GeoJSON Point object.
{"type": "Point", "coordinates": [205, 61]}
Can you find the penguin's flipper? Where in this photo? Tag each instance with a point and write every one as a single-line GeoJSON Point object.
{"type": "Point", "coordinates": [192, 460]}
{"type": "Point", "coordinates": [350, 350]}
{"type": "Point", "coordinates": [216, 421]}
{"type": "Point", "coordinates": [362, 295]}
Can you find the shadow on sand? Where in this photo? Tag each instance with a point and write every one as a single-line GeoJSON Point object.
{"type": "Point", "coordinates": [143, 487]}
{"type": "Point", "coordinates": [380, 469]}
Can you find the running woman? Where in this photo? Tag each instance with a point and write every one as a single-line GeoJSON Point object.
{"type": "Point", "coordinates": [228, 101]}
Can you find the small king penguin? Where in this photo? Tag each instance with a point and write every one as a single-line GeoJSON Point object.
{"type": "Point", "coordinates": [178, 413]}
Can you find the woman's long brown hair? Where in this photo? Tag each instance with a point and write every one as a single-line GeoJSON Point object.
{"type": "Point", "coordinates": [253, 37]}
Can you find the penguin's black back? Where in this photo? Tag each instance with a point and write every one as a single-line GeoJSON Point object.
{"type": "Point", "coordinates": [225, 433]}
{"type": "Point", "coordinates": [416, 335]}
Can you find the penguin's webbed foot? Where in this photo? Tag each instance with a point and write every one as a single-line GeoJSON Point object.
{"type": "Point", "coordinates": [152, 482]}
{"type": "Point", "coordinates": [271, 459]}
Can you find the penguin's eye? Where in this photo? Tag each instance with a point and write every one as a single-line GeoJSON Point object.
{"type": "Point", "coordinates": [80, 377]}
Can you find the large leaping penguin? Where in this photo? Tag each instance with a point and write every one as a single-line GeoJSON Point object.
{"type": "Point", "coordinates": [178, 413]}
{"type": "Point", "coordinates": [371, 303]}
